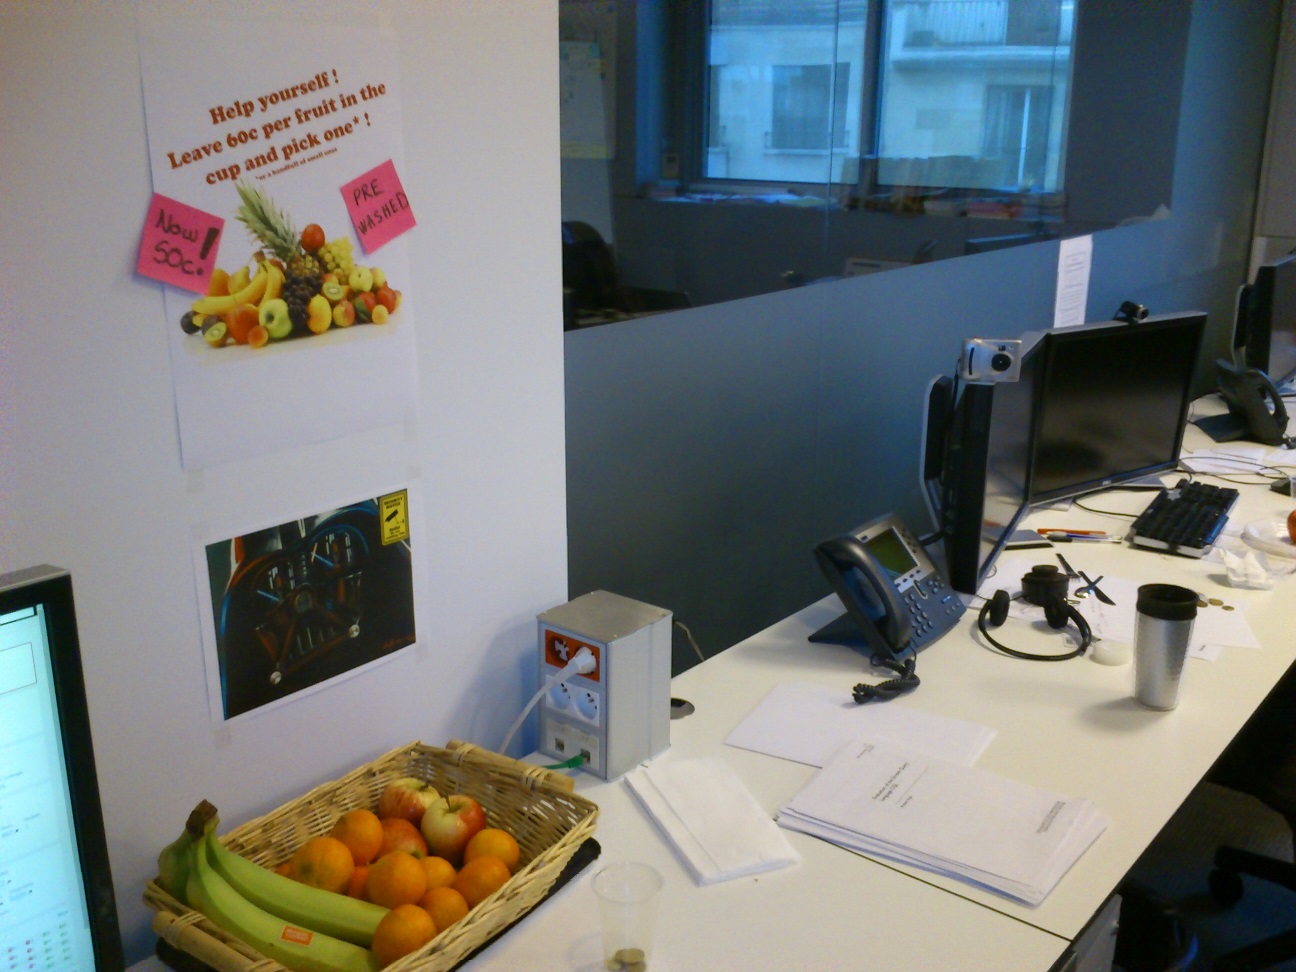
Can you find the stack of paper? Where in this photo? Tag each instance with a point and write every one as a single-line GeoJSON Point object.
{"type": "Point", "coordinates": [881, 799]}
{"type": "Point", "coordinates": [711, 817]}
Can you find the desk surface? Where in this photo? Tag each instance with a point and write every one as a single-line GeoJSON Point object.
{"type": "Point", "coordinates": [1071, 727]}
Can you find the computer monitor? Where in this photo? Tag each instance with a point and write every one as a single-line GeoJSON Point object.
{"type": "Point", "coordinates": [1111, 403]}
{"type": "Point", "coordinates": [1268, 324]}
{"type": "Point", "coordinates": [984, 475]}
{"type": "Point", "coordinates": [57, 909]}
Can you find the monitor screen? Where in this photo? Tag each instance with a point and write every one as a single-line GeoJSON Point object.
{"type": "Point", "coordinates": [1270, 328]}
{"type": "Point", "coordinates": [1111, 403]}
{"type": "Point", "coordinates": [57, 910]}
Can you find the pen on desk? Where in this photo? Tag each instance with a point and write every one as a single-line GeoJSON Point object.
{"type": "Point", "coordinates": [1074, 533]}
{"type": "Point", "coordinates": [1058, 536]}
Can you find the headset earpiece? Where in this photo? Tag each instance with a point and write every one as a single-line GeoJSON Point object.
{"type": "Point", "coordinates": [1042, 584]}
{"type": "Point", "coordinates": [1056, 612]}
{"type": "Point", "coordinates": [997, 608]}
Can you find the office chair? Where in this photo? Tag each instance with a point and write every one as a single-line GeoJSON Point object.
{"type": "Point", "coordinates": [1261, 761]}
{"type": "Point", "coordinates": [591, 282]}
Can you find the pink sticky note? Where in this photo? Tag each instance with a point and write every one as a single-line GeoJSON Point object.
{"type": "Point", "coordinates": [378, 207]}
{"type": "Point", "coordinates": [178, 245]}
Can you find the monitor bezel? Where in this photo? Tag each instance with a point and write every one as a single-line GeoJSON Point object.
{"type": "Point", "coordinates": [51, 588]}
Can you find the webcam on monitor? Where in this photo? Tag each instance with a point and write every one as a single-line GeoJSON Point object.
{"type": "Point", "coordinates": [990, 359]}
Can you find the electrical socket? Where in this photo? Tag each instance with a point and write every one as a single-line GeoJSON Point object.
{"type": "Point", "coordinates": [559, 696]}
{"type": "Point", "coordinates": [587, 706]}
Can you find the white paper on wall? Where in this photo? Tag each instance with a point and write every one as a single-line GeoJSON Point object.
{"type": "Point", "coordinates": [298, 117]}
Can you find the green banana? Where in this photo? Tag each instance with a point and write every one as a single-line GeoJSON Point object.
{"type": "Point", "coordinates": [176, 859]}
{"type": "Point", "coordinates": [293, 947]}
{"type": "Point", "coordinates": [334, 914]}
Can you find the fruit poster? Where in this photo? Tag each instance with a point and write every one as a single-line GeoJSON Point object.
{"type": "Point", "coordinates": [302, 603]}
{"type": "Point", "coordinates": [282, 157]}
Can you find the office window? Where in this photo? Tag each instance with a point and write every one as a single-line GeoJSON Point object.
{"type": "Point", "coordinates": [973, 93]}
{"type": "Point", "coordinates": [809, 109]}
{"type": "Point", "coordinates": [784, 89]}
{"type": "Point", "coordinates": [1017, 132]}
{"type": "Point", "coordinates": [965, 94]}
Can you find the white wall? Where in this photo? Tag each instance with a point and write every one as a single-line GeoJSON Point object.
{"type": "Point", "coordinates": [90, 475]}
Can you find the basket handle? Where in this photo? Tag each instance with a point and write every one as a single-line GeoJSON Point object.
{"type": "Point", "coordinates": [536, 774]}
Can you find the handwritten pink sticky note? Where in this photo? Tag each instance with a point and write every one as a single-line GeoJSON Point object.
{"type": "Point", "coordinates": [178, 245]}
{"type": "Point", "coordinates": [378, 206]}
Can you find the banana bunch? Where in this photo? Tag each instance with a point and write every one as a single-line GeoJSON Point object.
{"type": "Point", "coordinates": [245, 288]}
{"type": "Point", "coordinates": [302, 928]}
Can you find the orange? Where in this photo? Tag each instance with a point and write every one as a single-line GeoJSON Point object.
{"type": "Point", "coordinates": [358, 879]}
{"type": "Point", "coordinates": [323, 862]}
{"type": "Point", "coordinates": [240, 320]}
{"type": "Point", "coordinates": [402, 930]}
{"type": "Point", "coordinates": [401, 835]}
{"type": "Point", "coordinates": [440, 872]}
{"type": "Point", "coordinates": [395, 879]}
{"type": "Point", "coordinates": [445, 905]}
{"type": "Point", "coordinates": [362, 832]}
{"type": "Point", "coordinates": [480, 878]}
{"type": "Point", "coordinates": [285, 868]}
{"type": "Point", "coordinates": [493, 842]}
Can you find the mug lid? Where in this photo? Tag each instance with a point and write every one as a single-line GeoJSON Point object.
{"type": "Point", "coordinates": [1167, 602]}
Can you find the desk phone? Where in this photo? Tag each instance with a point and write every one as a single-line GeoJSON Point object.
{"type": "Point", "coordinates": [896, 599]}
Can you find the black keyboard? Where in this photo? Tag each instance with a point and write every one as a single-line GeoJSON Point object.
{"type": "Point", "coordinates": [1184, 519]}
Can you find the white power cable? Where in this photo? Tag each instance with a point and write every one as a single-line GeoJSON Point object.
{"type": "Point", "coordinates": [582, 663]}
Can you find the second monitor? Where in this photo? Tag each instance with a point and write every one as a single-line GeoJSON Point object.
{"type": "Point", "coordinates": [1096, 406]}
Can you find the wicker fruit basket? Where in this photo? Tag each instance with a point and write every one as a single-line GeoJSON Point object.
{"type": "Point", "coordinates": [549, 821]}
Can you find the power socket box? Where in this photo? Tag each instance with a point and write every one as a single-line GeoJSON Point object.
{"type": "Point", "coordinates": [617, 715]}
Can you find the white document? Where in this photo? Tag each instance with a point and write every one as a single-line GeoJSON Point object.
{"type": "Point", "coordinates": [1074, 259]}
{"type": "Point", "coordinates": [1007, 836]}
{"type": "Point", "coordinates": [1231, 457]}
{"type": "Point", "coordinates": [807, 723]}
{"type": "Point", "coordinates": [712, 819]}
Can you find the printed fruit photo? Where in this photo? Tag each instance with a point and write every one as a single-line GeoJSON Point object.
{"type": "Point", "coordinates": [294, 285]}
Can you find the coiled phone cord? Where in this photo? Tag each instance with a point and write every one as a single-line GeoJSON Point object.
{"type": "Point", "coordinates": [906, 680]}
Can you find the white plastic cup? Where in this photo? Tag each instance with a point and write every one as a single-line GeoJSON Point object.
{"type": "Point", "coordinates": [1162, 628]}
{"type": "Point", "coordinates": [627, 895]}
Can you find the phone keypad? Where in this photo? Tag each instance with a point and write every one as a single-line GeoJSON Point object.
{"type": "Point", "coordinates": [932, 606]}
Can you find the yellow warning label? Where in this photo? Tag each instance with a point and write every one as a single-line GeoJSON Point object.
{"type": "Point", "coordinates": [393, 510]}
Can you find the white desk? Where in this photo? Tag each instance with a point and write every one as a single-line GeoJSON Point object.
{"type": "Point", "coordinates": [1072, 727]}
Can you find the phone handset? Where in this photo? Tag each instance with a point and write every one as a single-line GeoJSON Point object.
{"type": "Point", "coordinates": [897, 603]}
{"type": "Point", "coordinates": [875, 605]}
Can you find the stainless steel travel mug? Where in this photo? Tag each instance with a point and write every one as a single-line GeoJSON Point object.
{"type": "Point", "coordinates": [1162, 628]}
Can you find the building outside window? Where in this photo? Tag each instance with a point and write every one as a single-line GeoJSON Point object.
{"type": "Point", "coordinates": [961, 94]}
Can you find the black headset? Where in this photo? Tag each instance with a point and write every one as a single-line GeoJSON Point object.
{"type": "Point", "coordinates": [1046, 587]}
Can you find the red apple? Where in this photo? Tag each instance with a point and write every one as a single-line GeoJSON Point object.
{"type": "Point", "coordinates": [450, 823]}
{"type": "Point", "coordinates": [407, 798]}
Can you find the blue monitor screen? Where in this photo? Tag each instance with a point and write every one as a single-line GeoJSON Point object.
{"type": "Point", "coordinates": [57, 911]}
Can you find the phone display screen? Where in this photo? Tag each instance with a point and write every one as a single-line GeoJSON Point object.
{"type": "Point", "coordinates": [891, 553]}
